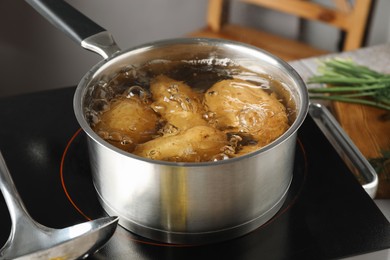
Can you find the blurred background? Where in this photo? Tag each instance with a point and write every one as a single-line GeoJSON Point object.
{"type": "Point", "coordinates": [34, 55]}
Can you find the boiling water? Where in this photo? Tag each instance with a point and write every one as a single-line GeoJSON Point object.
{"type": "Point", "coordinates": [200, 75]}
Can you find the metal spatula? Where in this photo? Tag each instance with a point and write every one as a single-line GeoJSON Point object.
{"type": "Point", "coordinates": [31, 240]}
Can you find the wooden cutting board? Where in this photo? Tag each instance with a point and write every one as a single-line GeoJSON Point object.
{"type": "Point", "coordinates": [369, 129]}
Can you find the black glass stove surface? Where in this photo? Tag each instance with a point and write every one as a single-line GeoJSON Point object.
{"type": "Point", "coordinates": [327, 213]}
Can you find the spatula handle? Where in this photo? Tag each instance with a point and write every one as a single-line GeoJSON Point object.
{"type": "Point", "coordinates": [11, 195]}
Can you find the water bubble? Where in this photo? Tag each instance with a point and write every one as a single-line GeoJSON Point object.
{"type": "Point", "coordinates": [153, 154]}
{"type": "Point", "coordinates": [132, 128]}
{"type": "Point", "coordinates": [103, 134]}
{"type": "Point", "coordinates": [219, 157]}
{"type": "Point", "coordinates": [100, 105]}
{"type": "Point", "coordinates": [133, 91]}
{"type": "Point", "coordinates": [185, 103]}
{"type": "Point", "coordinates": [157, 107]}
{"type": "Point", "coordinates": [101, 91]}
{"type": "Point", "coordinates": [115, 136]}
{"type": "Point", "coordinates": [228, 150]}
{"type": "Point", "coordinates": [129, 72]}
{"type": "Point", "coordinates": [234, 140]}
{"type": "Point", "coordinates": [138, 91]}
{"type": "Point", "coordinates": [212, 93]}
{"type": "Point", "coordinates": [92, 117]}
{"type": "Point", "coordinates": [126, 140]}
{"type": "Point", "coordinates": [209, 115]}
{"type": "Point", "coordinates": [169, 129]}
{"type": "Point", "coordinates": [265, 86]}
{"type": "Point", "coordinates": [173, 89]}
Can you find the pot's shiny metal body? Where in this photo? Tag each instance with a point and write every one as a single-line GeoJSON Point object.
{"type": "Point", "coordinates": [182, 202]}
{"type": "Point", "coordinates": [193, 202]}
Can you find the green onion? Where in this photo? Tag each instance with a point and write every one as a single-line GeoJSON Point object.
{"type": "Point", "coordinates": [352, 83]}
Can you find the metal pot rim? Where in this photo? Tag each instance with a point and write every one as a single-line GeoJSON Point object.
{"type": "Point", "coordinates": [83, 86]}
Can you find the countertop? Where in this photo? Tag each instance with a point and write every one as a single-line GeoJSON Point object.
{"type": "Point", "coordinates": [375, 57]}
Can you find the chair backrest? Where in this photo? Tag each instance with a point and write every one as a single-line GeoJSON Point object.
{"type": "Point", "coordinates": [351, 19]}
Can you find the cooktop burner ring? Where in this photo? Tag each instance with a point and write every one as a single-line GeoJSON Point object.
{"type": "Point", "coordinates": [78, 139]}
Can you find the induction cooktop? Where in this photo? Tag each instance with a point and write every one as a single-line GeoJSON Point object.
{"type": "Point", "coordinates": [327, 213]}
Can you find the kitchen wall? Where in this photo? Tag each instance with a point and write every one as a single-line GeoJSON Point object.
{"type": "Point", "coordinates": [36, 56]}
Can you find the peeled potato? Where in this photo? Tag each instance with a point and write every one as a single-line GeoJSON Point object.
{"type": "Point", "coordinates": [240, 106]}
{"type": "Point", "coordinates": [197, 144]}
{"type": "Point", "coordinates": [128, 122]}
{"type": "Point", "coordinates": [177, 103]}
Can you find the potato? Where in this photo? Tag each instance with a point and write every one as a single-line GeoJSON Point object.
{"type": "Point", "coordinates": [129, 121]}
{"type": "Point", "coordinates": [177, 103]}
{"type": "Point", "coordinates": [196, 144]}
{"type": "Point", "coordinates": [240, 106]}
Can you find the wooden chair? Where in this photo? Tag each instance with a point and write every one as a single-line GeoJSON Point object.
{"type": "Point", "coordinates": [350, 19]}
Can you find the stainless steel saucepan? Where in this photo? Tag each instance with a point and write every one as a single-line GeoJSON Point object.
{"type": "Point", "coordinates": [182, 202]}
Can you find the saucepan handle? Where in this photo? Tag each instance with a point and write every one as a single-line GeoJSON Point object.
{"type": "Point", "coordinates": [345, 147]}
{"type": "Point", "coordinates": [77, 26]}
